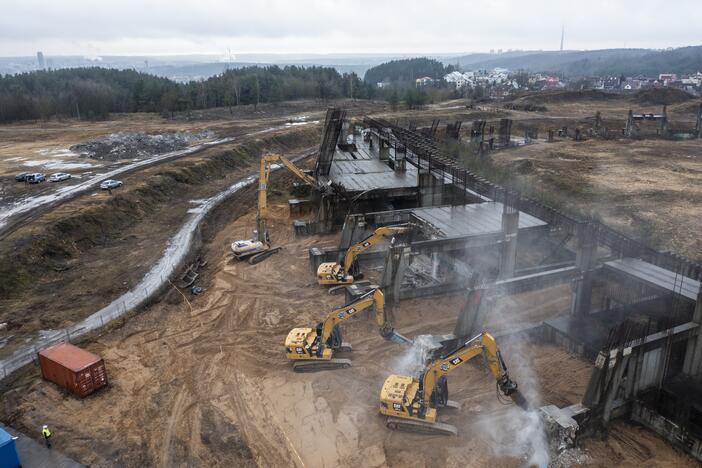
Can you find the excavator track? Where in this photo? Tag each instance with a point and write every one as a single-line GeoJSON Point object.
{"type": "Point", "coordinates": [451, 404]}
{"type": "Point", "coordinates": [315, 366]}
{"type": "Point", "coordinates": [420, 427]}
{"type": "Point", "coordinates": [258, 258]}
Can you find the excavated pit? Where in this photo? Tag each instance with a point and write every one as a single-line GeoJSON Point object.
{"type": "Point", "coordinates": [181, 375]}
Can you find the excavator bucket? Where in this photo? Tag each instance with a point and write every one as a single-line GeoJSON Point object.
{"type": "Point", "coordinates": [518, 398]}
{"type": "Point", "coordinates": [398, 338]}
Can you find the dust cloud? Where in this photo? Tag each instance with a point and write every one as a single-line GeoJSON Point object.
{"type": "Point", "coordinates": [518, 433]}
{"type": "Point", "coordinates": [413, 361]}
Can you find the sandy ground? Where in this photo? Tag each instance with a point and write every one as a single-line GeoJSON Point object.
{"type": "Point", "coordinates": [207, 383]}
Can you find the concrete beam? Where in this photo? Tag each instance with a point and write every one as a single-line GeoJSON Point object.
{"type": "Point", "coordinates": [541, 280]}
{"type": "Point", "coordinates": [510, 231]}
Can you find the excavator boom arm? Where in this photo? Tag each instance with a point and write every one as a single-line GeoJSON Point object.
{"type": "Point", "coordinates": [263, 179]}
{"type": "Point", "coordinates": [291, 167]}
{"type": "Point", "coordinates": [373, 297]}
{"type": "Point", "coordinates": [482, 344]}
{"type": "Point", "coordinates": [371, 240]}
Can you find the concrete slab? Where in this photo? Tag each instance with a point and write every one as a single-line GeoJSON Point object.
{"type": "Point", "coordinates": [362, 170]}
{"type": "Point", "coordinates": [656, 276]}
{"type": "Point", "coordinates": [471, 220]}
{"type": "Point", "coordinates": [35, 455]}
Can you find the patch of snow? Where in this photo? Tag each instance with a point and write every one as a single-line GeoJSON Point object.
{"type": "Point", "coordinates": [51, 164]}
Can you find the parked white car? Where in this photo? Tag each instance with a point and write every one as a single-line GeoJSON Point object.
{"type": "Point", "coordinates": [110, 184]}
{"type": "Point", "coordinates": [59, 176]}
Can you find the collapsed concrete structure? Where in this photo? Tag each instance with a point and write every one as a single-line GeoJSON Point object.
{"type": "Point", "coordinates": [639, 125]}
{"type": "Point", "coordinates": [635, 312]}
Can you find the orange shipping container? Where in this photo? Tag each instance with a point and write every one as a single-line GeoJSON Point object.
{"type": "Point", "coordinates": [79, 371]}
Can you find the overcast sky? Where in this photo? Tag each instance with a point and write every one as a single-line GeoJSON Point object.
{"type": "Point", "coordinates": [150, 27]}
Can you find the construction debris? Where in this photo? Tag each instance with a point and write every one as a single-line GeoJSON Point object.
{"type": "Point", "coordinates": [125, 145]}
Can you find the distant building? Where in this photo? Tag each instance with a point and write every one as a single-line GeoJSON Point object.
{"type": "Point", "coordinates": [552, 82]}
{"type": "Point", "coordinates": [423, 81]}
{"type": "Point", "coordinates": [382, 84]}
{"type": "Point", "coordinates": [40, 60]}
{"type": "Point", "coordinates": [611, 82]}
{"type": "Point", "coordinates": [459, 80]}
{"type": "Point", "coordinates": [665, 78]}
{"type": "Point", "coordinates": [692, 80]}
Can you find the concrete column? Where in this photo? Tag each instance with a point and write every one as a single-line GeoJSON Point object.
{"type": "Point", "coordinates": [693, 354]}
{"type": "Point", "coordinates": [375, 140]}
{"type": "Point", "coordinates": [434, 265]}
{"type": "Point", "coordinates": [469, 317]}
{"type": "Point", "coordinates": [396, 261]}
{"type": "Point", "coordinates": [596, 384]}
{"type": "Point", "coordinates": [663, 130]}
{"type": "Point", "coordinates": [327, 213]}
{"type": "Point", "coordinates": [345, 131]}
{"type": "Point", "coordinates": [349, 231]}
{"type": "Point", "coordinates": [400, 159]}
{"type": "Point", "coordinates": [510, 231]}
{"type": "Point", "coordinates": [615, 382]}
{"type": "Point", "coordinates": [629, 129]}
{"type": "Point", "coordinates": [384, 153]}
{"type": "Point", "coordinates": [430, 189]}
{"type": "Point", "coordinates": [585, 259]}
{"type": "Point", "coordinates": [638, 369]}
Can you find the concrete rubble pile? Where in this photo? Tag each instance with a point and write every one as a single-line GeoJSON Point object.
{"type": "Point", "coordinates": [131, 145]}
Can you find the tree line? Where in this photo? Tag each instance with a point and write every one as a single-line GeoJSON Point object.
{"type": "Point", "coordinates": [407, 71]}
{"type": "Point", "coordinates": [94, 93]}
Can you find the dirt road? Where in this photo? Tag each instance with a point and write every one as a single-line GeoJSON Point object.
{"type": "Point", "coordinates": [208, 383]}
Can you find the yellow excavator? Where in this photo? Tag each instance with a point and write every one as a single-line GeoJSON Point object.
{"type": "Point", "coordinates": [259, 247]}
{"type": "Point", "coordinates": [313, 349]}
{"type": "Point", "coordinates": [331, 273]}
{"type": "Point", "coordinates": [411, 404]}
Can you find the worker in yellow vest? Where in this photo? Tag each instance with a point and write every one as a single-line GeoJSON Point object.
{"type": "Point", "coordinates": [47, 435]}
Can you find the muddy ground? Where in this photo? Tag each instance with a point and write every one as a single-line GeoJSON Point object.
{"type": "Point", "coordinates": [649, 189]}
{"type": "Point", "coordinates": [207, 382]}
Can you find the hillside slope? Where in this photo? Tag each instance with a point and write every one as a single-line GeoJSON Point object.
{"type": "Point", "coordinates": [590, 63]}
